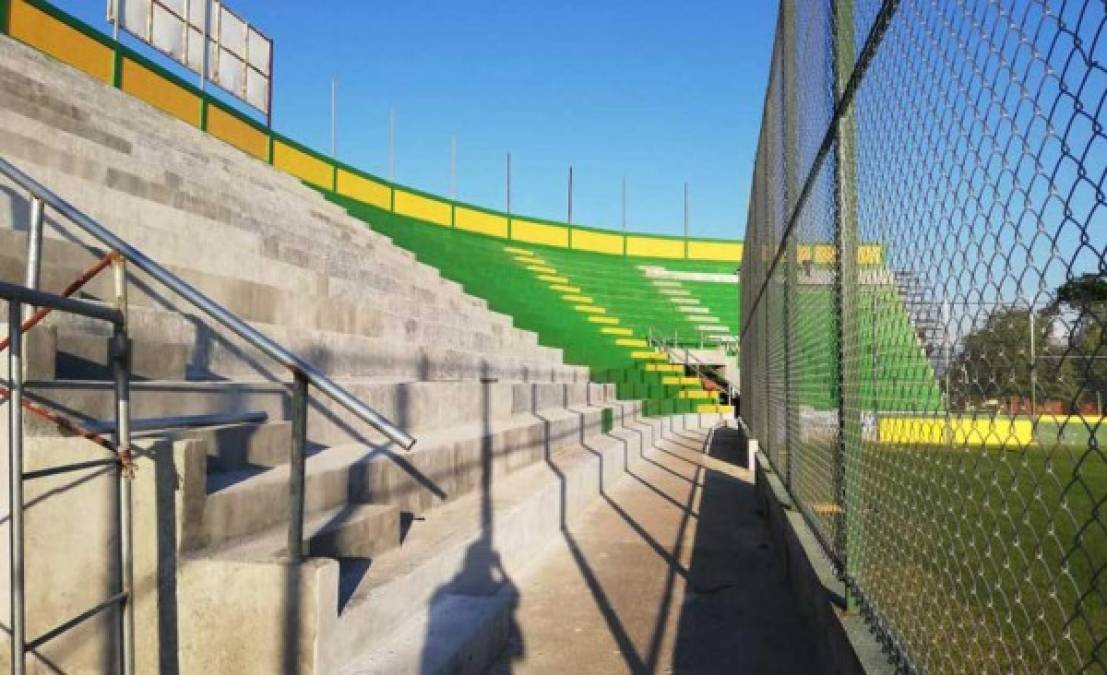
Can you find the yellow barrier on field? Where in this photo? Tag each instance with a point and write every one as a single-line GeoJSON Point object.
{"type": "Point", "coordinates": [960, 431]}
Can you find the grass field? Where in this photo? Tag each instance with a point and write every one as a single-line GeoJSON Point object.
{"type": "Point", "coordinates": [981, 559]}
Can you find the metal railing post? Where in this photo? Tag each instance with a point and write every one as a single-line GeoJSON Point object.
{"type": "Point", "coordinates": [34, 251]}
{"type": "Point", "coordinates": [297, 467]}
{"type": "Point", "coordinates": [121, 374]}
{"type": "Point", "coordinates": [15, 488]}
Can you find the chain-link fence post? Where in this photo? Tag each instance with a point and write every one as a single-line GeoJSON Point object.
{"type": "Point", "coordinates": [846, 291]}
{"type": "Point", "coordinates": [791, 196]}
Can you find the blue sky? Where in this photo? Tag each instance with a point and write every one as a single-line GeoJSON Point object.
{"type": "Point", "coordinates": [658, 92]}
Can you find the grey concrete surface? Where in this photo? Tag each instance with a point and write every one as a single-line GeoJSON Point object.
{"type": "Point", "coordinates": [671, 570]}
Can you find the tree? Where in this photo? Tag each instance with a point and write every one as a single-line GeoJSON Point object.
{"type": "Point", "coordinates": [994, 360]}
{"type": "Point", "coordinates": [1081, 306]}
{"type": "Point", "coordinates": [1070, 351]}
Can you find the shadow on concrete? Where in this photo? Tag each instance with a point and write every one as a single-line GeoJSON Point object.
{"type": "Point", "coordinates": [738, 614]}
{"type": "Point", "coordinates": [482, 575]}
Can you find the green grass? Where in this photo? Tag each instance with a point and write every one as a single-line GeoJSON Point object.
{"type": "Point", "coordinates": [981, 560]}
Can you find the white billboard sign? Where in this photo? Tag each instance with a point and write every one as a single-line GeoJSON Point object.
{"type": "Point", "coordinates": [240, 57]}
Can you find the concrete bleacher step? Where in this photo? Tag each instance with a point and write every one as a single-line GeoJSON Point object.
{"type": "Point", "coordinates": [235, 447]}
{"type": "Point", "coordinates": [93, 130]}
{"type": "Point", "coordinates": [274, 269]}
{"type": "Point", "coordinates": [460, 634]}
{"type": "Point", "coordinates": [87, 357]}
{"type": "Point", "coordinates": [462, 328]}
{"type": "Point", "coordinates": [421, 407]}
{"type": "Point", "coordinates": [527, 510]}
{"type": "Point", "coordinates": [344, 531]}
{"type": "Point", "coordinates": [451, 570]}
{"type": "Point", "coordinates": [381, 332]}
{"type": "Point", "coordinates": [445, 465]}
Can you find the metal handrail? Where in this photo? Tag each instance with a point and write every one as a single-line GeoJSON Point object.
{"type": "Point", "coordinates": [297, 365]}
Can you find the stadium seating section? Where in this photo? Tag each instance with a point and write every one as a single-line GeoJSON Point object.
{"type": "Point", "coordinates": [599, 309]}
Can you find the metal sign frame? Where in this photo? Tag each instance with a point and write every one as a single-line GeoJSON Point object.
{"type": "Point", "coordinates": [232, 54]}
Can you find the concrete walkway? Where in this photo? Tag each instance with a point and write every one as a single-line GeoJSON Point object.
{"type": "Point", "coordinates": [671, 571]}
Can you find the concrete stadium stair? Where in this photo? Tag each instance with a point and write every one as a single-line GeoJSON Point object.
{"type": "Point", "coordinates": [285, 256]}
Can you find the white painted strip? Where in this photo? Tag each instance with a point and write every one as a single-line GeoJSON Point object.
{"type": "Point", "coordinates": [656, 272]}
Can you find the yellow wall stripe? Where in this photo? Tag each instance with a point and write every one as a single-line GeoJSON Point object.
{"type": "Point", "coordinates": [42, 31]}
{"type": "Point", "coordinates": [653, 247]}
{"type": "Point", "coordinates": [302, 165]}
{"type": "Point", "coordinates": [364, 190]}
{"type": "Point", "coordinates": [610, 320]}
{"type": "Point", "coordinates": [539, 233]}
{"type": "Point", "coordinates": [631, 342]}
{"type": "Point", "coordinates": [583, 299]}
{"type": "Point", "coordinates": [714, 250]}
{"type": "Point", "coordinates": [542, 269]}
{"type": "Point", "coordinates": [473, 220]}
{"type": "Point", "coordinates": [565, 289]}
{"type": "Point", "coordinates": [423, 208]}
{"type": "Point", "coordinates": [598, 242]}
{"type": "Point", "coordinates": [230, 129]}
{"type": "Point", "coordinates": [146, 85]}
{"type": "Point", "coordinates": [590, 309]}
{"type": "Point", "coordinates": [549, 278]}
{"type": "Point", "coordinates": [518, 251]}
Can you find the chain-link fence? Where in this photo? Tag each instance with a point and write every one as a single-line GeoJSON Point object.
{"type": "Point", "coordinates": [924, 304]}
